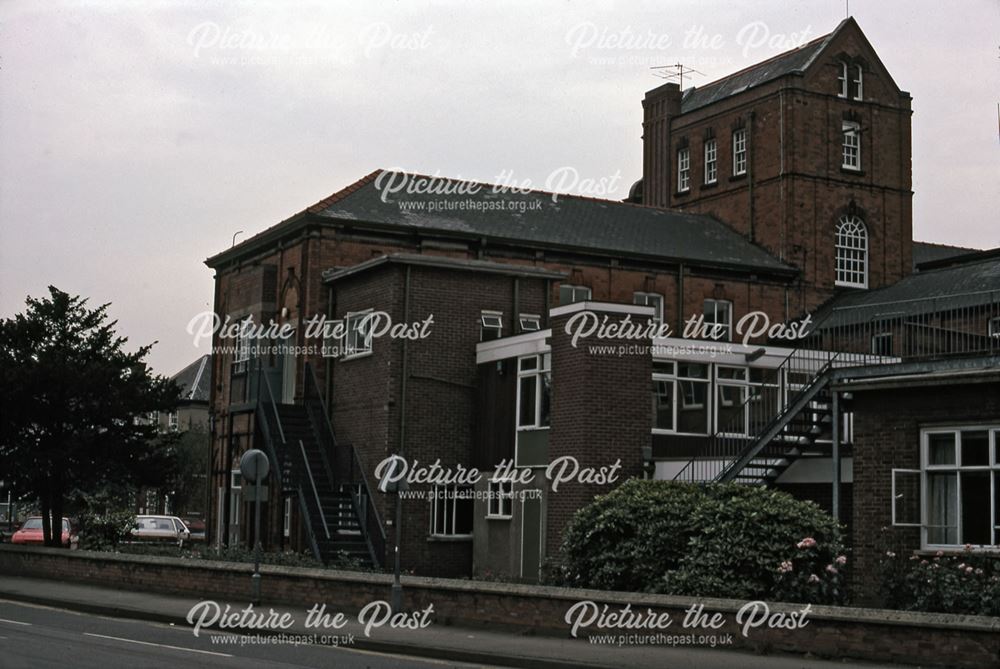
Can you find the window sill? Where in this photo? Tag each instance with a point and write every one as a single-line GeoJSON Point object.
{"type": "Point", "coordinates": [738, 177]}
{"type": "Point", "coordinates": [510, 517]}
{"type": "Point", "coordinates": [442, 539]}
{"type": "Point", "coordinates": [355, 356]}
{"type": "Point", "coordinates": [682, 193]}
{"type": "Point", "coordinates": [709, 184]}
{"type": "Point", "coordinates": [852, 171]}
{"type": "Point", "coordinates": [533, 428]}
{"type": "Point", "coordinates": [955, 551]}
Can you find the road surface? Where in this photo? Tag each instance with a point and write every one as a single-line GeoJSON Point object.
{"type": "Point", "coordinates": [37, 637]}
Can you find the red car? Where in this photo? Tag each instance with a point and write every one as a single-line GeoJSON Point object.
{"type": "Point", "coordinates": [31, 532]}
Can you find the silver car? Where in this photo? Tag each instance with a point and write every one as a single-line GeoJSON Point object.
{"type": "Point", "coordinates": [161, 528]}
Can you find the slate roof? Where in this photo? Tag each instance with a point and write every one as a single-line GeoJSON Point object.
{"type": "Point", "coordinates": [535, 219]}
{"type": "Point", "coordinates": [195, 380]}
{"type": "Point", "coordinates": [540, 219]}
{"type": "Point", "coordinates": [972, 283]}
{"type": "Point", "coordinates": [927, 252]}
{"type": "Point", "coordinates": [789, 62]}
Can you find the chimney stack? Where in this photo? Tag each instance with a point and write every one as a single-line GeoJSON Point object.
{"type": "Point", "coordinates": [659, 107]}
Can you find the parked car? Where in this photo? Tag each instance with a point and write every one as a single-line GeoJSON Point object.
{"type": "Point", "coordinates": [161, 528]}
{"type": "Point", "coordinates": [197, 528]}
{"type": "Point", "coordinates": [31, 532]}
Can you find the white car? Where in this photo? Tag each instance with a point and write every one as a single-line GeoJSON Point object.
{"type": "Point", "coordinates": [160, 528]}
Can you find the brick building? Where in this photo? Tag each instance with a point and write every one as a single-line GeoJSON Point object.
{"type": "Point", "coordinates": [783, 189]}
{"type": "Point", "coordinates": [790, 152]}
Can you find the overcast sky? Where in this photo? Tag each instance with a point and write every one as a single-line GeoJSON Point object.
{"type": "Point", "coordinates": [137, 138]}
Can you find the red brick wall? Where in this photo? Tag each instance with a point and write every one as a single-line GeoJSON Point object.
{"type": "Point", "coordinates": [601, 412]}
{"type": "Point", "coordinates": [795, 189]}
{"type": "Point", "coordinates": [441, 385]}
{"type": "Point", "coordinates": [912, 638]}
{"type": "Point", "coordinates": [887, 426]}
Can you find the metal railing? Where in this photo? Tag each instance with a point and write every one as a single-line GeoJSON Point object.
{"type": "Point", "coordinates": [861, 335]}
{"type": "Point", "coordinates": [346, 470]}
{"type": "Point", "coordinates": [281, 455]}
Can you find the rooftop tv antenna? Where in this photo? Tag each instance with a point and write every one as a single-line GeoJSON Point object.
{"type": "Point", "coordinates": [679, 71]}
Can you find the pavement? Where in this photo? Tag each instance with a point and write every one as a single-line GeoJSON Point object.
{"type": "Point", "coordinates": [45, 623]}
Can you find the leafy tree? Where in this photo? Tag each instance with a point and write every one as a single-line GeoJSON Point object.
{"type": "Point", "coordinates": [74, 404]}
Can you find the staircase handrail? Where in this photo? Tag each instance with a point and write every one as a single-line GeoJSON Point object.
{"type": "Point", "coordinates": [364, 505]}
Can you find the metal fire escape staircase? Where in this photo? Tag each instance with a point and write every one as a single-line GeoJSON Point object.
{"type": "Point", "coordinates": [335, 503]}
{"type": "Point", "coordinates": [761, 439]}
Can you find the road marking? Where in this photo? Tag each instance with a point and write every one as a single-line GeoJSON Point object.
{"type": "Point", "coordinates": [14, 622]}
{"type": "Point", "coordinates": [158, 645]}
{"type": "Point", "coordinates": [398, 656]}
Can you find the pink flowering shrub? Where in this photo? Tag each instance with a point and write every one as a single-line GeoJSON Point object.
{"type": "Point", "coordinates": [718, 540]}
{"type": "Point", "coordinates": [814, 573]}
{"type": "Point", "coordinates": [967, 582]}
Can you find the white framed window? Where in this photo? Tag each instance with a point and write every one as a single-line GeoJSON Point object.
{"type": "Point", "coordinates": [857, 83]}
{"type": "Point", "coordinates": [842, 79]}
{"type": "Point", "coordinates": [851, 155]}
{"type": "Point", "coordinates": [490, 325]}
{"type": "Point", "coordinates": [173, 423]}
{"type": "Point", "coordinates": [500, 499]}
{"type": "Point", "coordinates": [683, 170]}
{"type": "Point", "coordinates": [286, 522]}
{"type": "Point", "coordinates": [960, 489]}
{"type": "Point", "coordinates": [357, 337]}
{"type": "Point", "coordinates": [906, 497]}
{"type": "Point", "coordinates": [739, 152]}
{"type": "Point", "coordinates": [882, 344]}
{"type": "Point", "coordinates": [570, 294]}
{"type": "Point", "coordinates": [654, 300]}
{"type": "Point", "coordinates": [711, 161]}
{"type": "Point", "coordinates": [241, 352]}
{"type": "Point", "coordinates": [994, 327]}
{"type": "Point", "coordinates": [745, 395]}
{"type": "Point", "coordinates": [718, 319]}
{"type": "Point", "coordinates": [534, 390]}
{"type": "Point", "coordinates": [851, 253]}
{"type": "Point", "coordinates": [452, 509]}
{"type": "Point", "coordinates": [664, 396]}
{"type": "Point", "coordinates": [694, 405]}
{"type": "Point", "coordinates": [529, 322]}
{"type": "Point", "coordinates": [333, 339]}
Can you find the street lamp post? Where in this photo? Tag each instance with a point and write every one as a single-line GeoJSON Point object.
{"type": "Point", "coordinates": [393, 482]}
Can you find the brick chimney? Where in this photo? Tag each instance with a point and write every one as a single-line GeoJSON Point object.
{"type": "Point", "coordinates": [659, 107]}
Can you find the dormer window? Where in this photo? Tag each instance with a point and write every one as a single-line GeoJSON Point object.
{"type": "Point", "coordinates": [857, 83]}
{"type": "Point", "coordinates": [850, 81]}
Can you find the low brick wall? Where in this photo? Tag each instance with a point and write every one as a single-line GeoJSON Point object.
{"type": "Point", "coordinates": [839, 632]}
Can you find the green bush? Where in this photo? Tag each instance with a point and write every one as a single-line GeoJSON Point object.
{"type": "Point", "coordinates": [105, 522]}
{"type": "Point", "coordinates": [720, 540]}
{"type": "Point", "coordinates": [964, 584]}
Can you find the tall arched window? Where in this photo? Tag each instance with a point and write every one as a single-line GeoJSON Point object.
{"type": "Point", "coordinates": [852, 252]}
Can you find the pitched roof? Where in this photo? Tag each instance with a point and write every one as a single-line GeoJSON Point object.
{"type": "Point", "coordinates": [195, 380]}
{"type": "Point", "coordinates": [795, 61]}
{"type": "Point", "coordinates": [927, 252]}
{"type": "Point", "coordinates": [544, 220]}
{"type": "Point", "coordinates": [963, 285]}
{"type": "Point", "coordinates": [532, 219]}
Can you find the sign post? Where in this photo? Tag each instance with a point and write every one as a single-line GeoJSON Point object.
{"type": "Point", "coordinates": [254, 467]}
{"type": "Point", "coordinates": [393, 482]}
